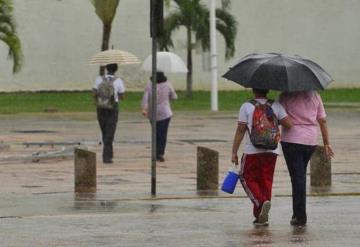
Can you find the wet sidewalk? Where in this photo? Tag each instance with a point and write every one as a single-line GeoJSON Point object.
{"type": "Point", "coordinates": [38, 206]}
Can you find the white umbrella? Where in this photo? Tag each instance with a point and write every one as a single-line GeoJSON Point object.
{"type": "Point", "coordinates": [113, 56]}
{"type": "Point", "coordinates": [166, 62]}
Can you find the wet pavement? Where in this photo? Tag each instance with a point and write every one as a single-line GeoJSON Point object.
{"type": "Point", "coordinates": [38, 206]}
{"type": "Point", "coordinates": [67, 221]}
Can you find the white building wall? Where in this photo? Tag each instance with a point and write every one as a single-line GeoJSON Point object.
{"type": "Point", "coordinates": [59, 37]}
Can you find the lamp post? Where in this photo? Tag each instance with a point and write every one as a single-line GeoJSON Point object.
{"type": "Point", "coordinates": [213, 55]}
{"type": "Point", "coordinates": [156, 25]}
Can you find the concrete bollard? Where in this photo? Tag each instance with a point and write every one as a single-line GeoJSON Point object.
{"type": "Point", "coordinates": [320, 168]}
{"type": "Point", "coordinates": [207, 169]}
{"type": "Point", "coordinates": [85, 171]}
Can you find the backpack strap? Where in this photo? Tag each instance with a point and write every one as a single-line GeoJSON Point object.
{"type": "Point", "coordinates": [254, 102]}
{"type": "Point", "coordinates": [107, 79]}
{"type": "Point", "coordinates": [269, 102]}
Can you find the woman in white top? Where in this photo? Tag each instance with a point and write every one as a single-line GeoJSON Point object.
{"type": "Point", "coordinates": [164, 93]}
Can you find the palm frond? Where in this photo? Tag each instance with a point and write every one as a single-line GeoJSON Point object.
{"type": "Point", "coordinates": [225, 4]}
{"type": "Point", "coordinates": [105, 9]}
{"type": "Point", "coordinates": [227, 26]}
{"type": "Point", "coordinates": [171, 23]}
{"type": "Point", "coordinates": [8, 34]}
{"type": "Point", "coordinates": [194, 16]}
{"type": "Point", "coordinates": [202, 28]}
{"type": "Point", "coordinates": [15, 53]}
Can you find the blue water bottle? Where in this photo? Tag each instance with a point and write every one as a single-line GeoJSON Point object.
{"type": "Point", "coordinates": [231, 180]}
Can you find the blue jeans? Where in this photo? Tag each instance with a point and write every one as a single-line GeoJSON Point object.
{"type": "Point", "coordinates": [161, 136]}
{"type": "Point", "coordinates": [297, 157]}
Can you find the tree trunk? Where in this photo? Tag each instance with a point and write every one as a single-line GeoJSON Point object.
{"type": "Point", "coordinates": [105, 43]}
{"type": "Point", "coordinates": [189, 64]}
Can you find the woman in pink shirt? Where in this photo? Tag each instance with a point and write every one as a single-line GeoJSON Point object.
{"type": "Point", "coordinates": [164, 93]}
{"type": "Point", "coordinates": [306, 111]}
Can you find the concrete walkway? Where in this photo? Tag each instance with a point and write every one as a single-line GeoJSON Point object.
{"type": "Point", "coordinates": [39, 208]}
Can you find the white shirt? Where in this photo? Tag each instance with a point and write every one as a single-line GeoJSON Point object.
{"type": "Point", "coordinates": [245, 117]}
{"type": "Point", "coordinates": [118, 84]}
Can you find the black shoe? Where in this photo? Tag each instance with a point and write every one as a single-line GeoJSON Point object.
{"type": "Point", "coordinates": [297, 222]}
{"type": "Point", "coordinates": [107, 161]}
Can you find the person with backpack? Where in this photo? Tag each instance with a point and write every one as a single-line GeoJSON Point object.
{"type": "Point", "coordinates": [306, 111]}
{"type": "Point", "coordinates": [107, 92]}
{"type": "Point", "coordinates": [164, 93]}
{"type": "Point", "coordinates": [258, 121]}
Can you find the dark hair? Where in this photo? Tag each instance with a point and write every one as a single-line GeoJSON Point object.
{"type": "Point", "coordinates": [112, 68]}
{"type": "Point", "coordinates": [160, 77]}
{"type": "Point", "coordinates": [261, 92]}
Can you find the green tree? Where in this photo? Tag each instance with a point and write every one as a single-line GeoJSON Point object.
{"type": "Point", "coordinates": [8, 34]}
{"type": "Point", "coordinates": [106, 10]}
{"type": "Point", "coordinates": [195, 17]}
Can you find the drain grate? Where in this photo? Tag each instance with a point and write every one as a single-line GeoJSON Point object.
{"type": "Point", "coordinates": [34, 131]}
{"type": "Point", "coordinates": [194, 141]}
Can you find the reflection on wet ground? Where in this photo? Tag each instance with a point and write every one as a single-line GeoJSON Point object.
{"type": "Point", "coordinates": [88, 201]}
{"type": "Point", "coordinates": [84, 220]}
{"type": "Point", "coordinates": [259, 236]}
{"type": "Point", "coordinates": [299, 235]}
{"type": "Point", "coordinates": [320, 189]}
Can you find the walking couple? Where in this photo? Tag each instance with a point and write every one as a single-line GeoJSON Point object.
{"type": "Point", "coordinates": [299, 115]}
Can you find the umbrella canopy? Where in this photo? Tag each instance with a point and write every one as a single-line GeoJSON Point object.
{"type": "Point", "coordinates": [166, 62]}
{"type": "Point", "coordinates": [114, 56]}
{"type": "Point", "coordinates": [278, 72]}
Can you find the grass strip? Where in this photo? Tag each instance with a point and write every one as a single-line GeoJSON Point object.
{"type": "Point", "coordinates": [81, 101]}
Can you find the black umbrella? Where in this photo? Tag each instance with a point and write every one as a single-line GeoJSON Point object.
{"type": "Point", "coordinates": [278, 72]}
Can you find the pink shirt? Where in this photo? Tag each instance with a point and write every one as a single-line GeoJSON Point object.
{"type": "Point", "coordinates": [164, 93]}
{"type": "Point", "coordinates": [304, 109]}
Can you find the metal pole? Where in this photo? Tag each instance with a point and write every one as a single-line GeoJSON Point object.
{"type": "Point", "coordinates": [153, 120]}
{"type": "Point", "coordinates": [153, 102]}
{"type": "Point", "coordinates": [213, 54]}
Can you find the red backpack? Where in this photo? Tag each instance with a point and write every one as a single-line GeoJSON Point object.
{"type": "Point", "coordinates": [265, 131]}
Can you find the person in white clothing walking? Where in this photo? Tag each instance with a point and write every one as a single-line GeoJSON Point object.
{"type": "Point", "coordinates": [107, 92]}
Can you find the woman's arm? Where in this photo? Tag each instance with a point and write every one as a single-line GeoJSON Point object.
{"type": "Point", "coordinates": [286, 122]}
{"type": "Point", "coordinates": [121, 96]}
{"type": "Point", "coordinates": [325, 136]}
{"type": "Point", "coordinates": [173, 95]}
{"type": "Point", "coordinates": [145, 102]}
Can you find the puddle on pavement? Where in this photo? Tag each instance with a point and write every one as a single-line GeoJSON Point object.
{"type": "Point", "coordinates": [91, 203]}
